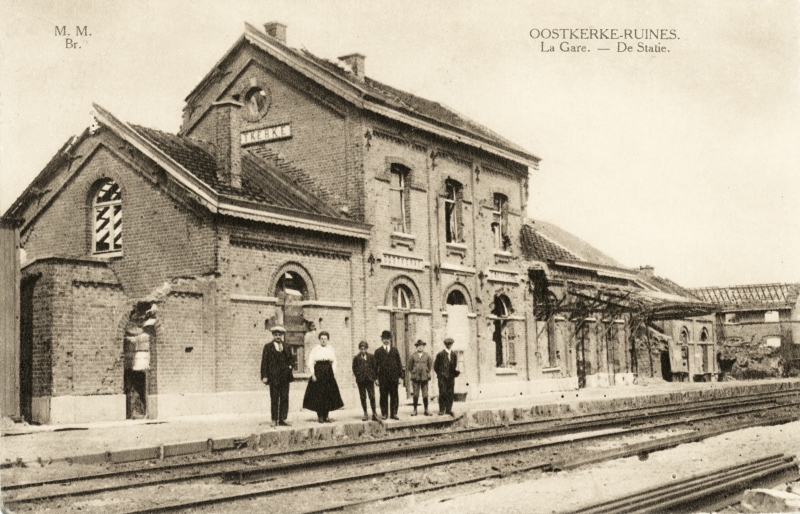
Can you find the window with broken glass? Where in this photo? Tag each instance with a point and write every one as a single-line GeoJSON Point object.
{"type": "Point", "coordinates": [500, 235]}
{"type": "Point", "coordinates": [452, 211]}
{"type": "Point", "coordinates": [107, 216]}
{"type": "Point", "coordinates": [398, 201]}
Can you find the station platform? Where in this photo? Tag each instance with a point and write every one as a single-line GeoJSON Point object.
{"type": "Point", "coordinates": [133, 440]}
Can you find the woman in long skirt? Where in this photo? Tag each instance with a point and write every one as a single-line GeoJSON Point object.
{"type": "Point", "coordinates": [322, 393]}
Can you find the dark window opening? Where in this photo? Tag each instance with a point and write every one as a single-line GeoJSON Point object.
{"type": "Point", "coordinates": [500, 236]}
{"type": "Point", "coordinates": [456, 297]}
{"type": "Point", "coordinates": [453, 211]}
{"type": "Point", "coordinates": [398, 199]}
{"type": "Point", "coordinates": [504, 335]}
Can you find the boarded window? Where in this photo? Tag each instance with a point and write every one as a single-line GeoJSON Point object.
{"type": "Point", "coordinates": [107, 212]}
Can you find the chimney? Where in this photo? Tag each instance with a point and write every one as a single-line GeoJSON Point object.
{"type": "Point", "coordinates": [648, 271]}
{"type": "Point", "coordinates": [356, 64]}
{"type": "Point", "coordinates": [227, 142]}
{"type": "Point", "coordinates": [276, 30]}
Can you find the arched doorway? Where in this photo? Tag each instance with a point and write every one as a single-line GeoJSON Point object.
{"type": "Point", "coordinates": [402, 302]}
{"type": "Point", "coordinates": [291, 289]}
{"type": "Point", "coordinates": [459, 327]}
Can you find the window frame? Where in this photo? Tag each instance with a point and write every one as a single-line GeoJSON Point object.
{"type": "Point", "coordinates": [453, 212]}
{"type": "Point", "coordinates": [114, 229]}
{"type": "Point", "coordinates": [500, 237]}
{"type": "Point", "coordinates": [402, 189]}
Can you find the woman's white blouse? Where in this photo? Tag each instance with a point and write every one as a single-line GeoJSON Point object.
{"type": "Point", "coordinates": [321, 353]}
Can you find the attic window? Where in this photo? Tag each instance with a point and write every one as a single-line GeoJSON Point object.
{"type": "Point", "coordinates": [107, 219]}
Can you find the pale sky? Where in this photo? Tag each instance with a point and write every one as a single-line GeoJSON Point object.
{"type": "Point", "coordinates": [687, 160]}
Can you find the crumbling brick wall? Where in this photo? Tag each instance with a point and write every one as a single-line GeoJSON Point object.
{"type": "Point", "coordinates": [745, 348]}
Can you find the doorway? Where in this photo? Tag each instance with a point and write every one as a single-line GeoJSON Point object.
{"type": "Point", "coordinates": [666, 367]}
{"type": "Point", "coordinates": [291, 290]}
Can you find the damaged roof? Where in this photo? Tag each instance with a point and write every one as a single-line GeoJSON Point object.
{"type": "Point", "coordinates": [377, 97]}
{"type": "Point", "coordinates": [261, 183]}
{"type": "Point", "coordinates": [543, 241]}
{"type": "Point", "coordinates": [755, 296]}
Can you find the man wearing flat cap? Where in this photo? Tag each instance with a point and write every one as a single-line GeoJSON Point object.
{"type": "Point", "coordinates": [276, 372]}
{"type": "Point", "coordinates": [419, 368]}
{"type": "Point", "coordinates": [446, 372]}
{"type": "Point", "coordinates": [390, 369]}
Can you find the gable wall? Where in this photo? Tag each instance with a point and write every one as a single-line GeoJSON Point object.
{"type": "Point", "coordinates": [323, 147]}
{"type": "Point", "coordinates": [162, 239]}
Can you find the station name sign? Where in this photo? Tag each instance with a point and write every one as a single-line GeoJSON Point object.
{"type": "Point", "coordinates": [267, 134]}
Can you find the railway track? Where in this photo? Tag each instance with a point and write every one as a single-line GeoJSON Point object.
{"type": "Point", "coordinates": [461, 446]}
{"type": "Point", "coordinates": [708, 492]}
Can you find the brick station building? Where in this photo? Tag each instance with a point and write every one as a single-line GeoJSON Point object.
{"type": "Point", "coordinates": [297, 191]}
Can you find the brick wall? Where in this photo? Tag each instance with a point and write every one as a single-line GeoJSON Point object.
{"type": "Point", "coordinates": [162, 237]}
{"type": "Point", "coordinates": [78, 313]}
{"type": "Point", "coordinates": [324, 146]}
{"type": "Point", "coordinates": [182, 347]}
{"type": "Point", "coordinates": [251, 261]}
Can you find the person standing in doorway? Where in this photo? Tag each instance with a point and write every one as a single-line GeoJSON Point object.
{"type": "Point", "coordinates": [322, 394]}
{"type": "Point", "coordinates": [390, 369]}
{"type": "Point", "coordinates": [276, 372]}
{"type": "Point", "coordinates": [419, 369]}
{"type": "Point", "coordinates": [366, 375]}
{"type": "Point", "coordinates": [446, 372]}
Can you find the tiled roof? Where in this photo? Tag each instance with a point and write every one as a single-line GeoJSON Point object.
{"type": "Point", "coordinates": [402, 100]}
{"type": "Point", "coordinates": [261, 182]}
{"type": "Point", "coordinates": [668, 286]}
{"type": "Point", "coordinates": [755, 296]}
{"type": "Point", "coordinates": [546, 241]}
{"type": "Point", "coordinates": [537, 248]}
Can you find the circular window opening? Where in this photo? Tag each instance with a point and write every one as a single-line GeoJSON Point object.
{"type": "Point", "coordinates": [257, 102]}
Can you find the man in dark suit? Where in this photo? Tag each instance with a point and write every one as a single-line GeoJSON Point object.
{"type": "Point", "coordinates": [390, 369]}
{"type": "Point", "coordinates": [276, 372]}
{"type": "Point", "coordinates": [446, 372]}
{"type": "Point", "coordinates": [366, 374]}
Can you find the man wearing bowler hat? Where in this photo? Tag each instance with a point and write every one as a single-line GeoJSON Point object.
{"type": "Point", "coordinates": [390, 369]}
{"type": "Point", "coordinates": [445, 368]}
{"type": "Point", "coordinates": [276, 372]}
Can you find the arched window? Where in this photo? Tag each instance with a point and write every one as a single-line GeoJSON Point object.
{"type": "Point", "coordinates": [684, 338]}
{"type": "Point", "coordinates": [456, 297]}
{"type": "Point", "coordinates": [401, 297]}
{"type": "Point", "coordinates": [504, 336]}
{"type": "Point", "coordinates": [107, 216]}
{"type": "Point", "coordinates": [291, 283]}
{"type": "Point", "coordinates": [704, 335]}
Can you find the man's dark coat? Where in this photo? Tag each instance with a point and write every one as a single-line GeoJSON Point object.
{"type": "Point", "coordinates": [364, 369]}
{"type": "Point", "coordinates": [388, 365]}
